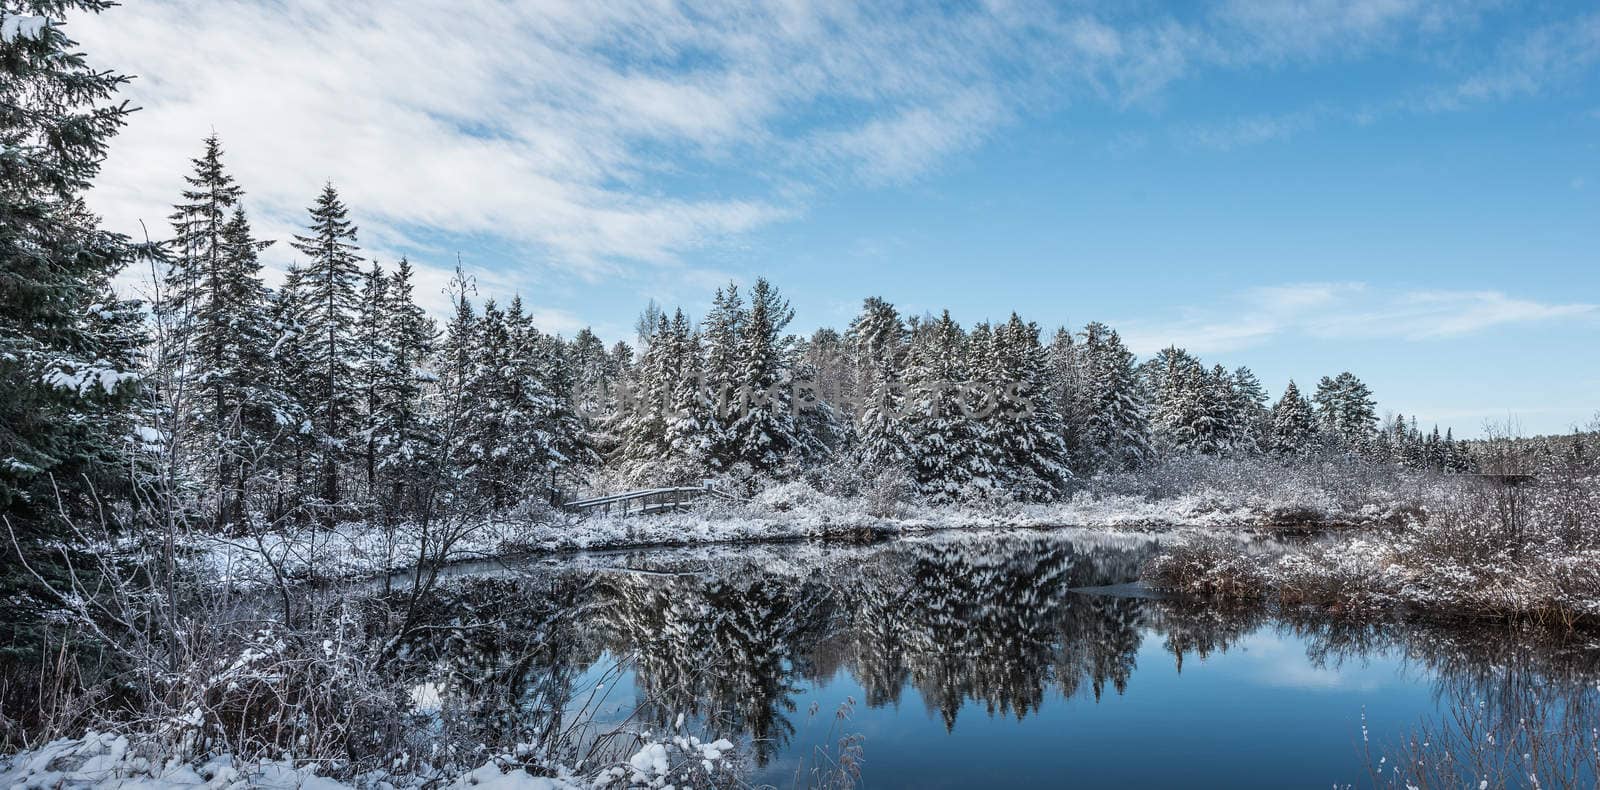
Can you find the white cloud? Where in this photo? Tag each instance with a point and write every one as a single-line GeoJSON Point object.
{"type": "Point", "coordinates": [617, 139]}
{"type": "Point", "coordinates": [1343, 311]}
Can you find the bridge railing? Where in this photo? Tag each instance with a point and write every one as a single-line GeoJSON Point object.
{"type": "Point", "coordinates": [646, 500]}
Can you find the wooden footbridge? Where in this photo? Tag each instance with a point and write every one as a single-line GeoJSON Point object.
{"type": "Point", "coordinates": [647, 500]}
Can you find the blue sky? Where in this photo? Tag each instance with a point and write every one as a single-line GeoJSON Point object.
{"type": "Point", "coordinates": [1409, 190]}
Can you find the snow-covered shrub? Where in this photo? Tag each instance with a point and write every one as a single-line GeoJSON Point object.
{"type": "Point", "coordinates": [886, 492]}
{"type": "Point", "coordinates": [1208, 566]}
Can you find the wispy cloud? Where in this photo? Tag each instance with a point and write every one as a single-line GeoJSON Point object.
{"type": "Point", "coordinates": [611, 138]}
{"type": "Point", "coordinates": [1345, 311]}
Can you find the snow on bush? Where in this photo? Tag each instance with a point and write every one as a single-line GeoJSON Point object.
{"type": "Point", "coordinates": [1489, 551]}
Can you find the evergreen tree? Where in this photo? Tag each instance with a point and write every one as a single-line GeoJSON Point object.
{"type": "Point", "coordinates": [1027, 431]}
{"type": "Point", "coordinates": [763, 432]}
{"type": "Point", "coordinates": [1346, 411]}
{"type": "Point", "coordinates": [824, 380]}
{"type": "Point", "coordinates": [594, 381]}
{"type": "Point", "coordinates": [331, 280]}
{"type": "Point", "coordinates": [405, 431]}
{"type": "Point", "coordinates": [292, 374]}
{"type": "Point", "coordinates": [555, 367]}
{"type": "Point", "coordinates": [723, 327]}
{"type": "Point", "coordinates": [1252, 420]}
{"type": "Point", "coordinates": [691, 429]}
{"type": "Point", "coordinates": [1065, 388]}
{"type": "Point", "coordinates": [253, 412]}
{"type": "Point", "coordinates": [1116, 428]}
{"type": "Point", "coordinates": [489, 424]}
{"type": "Point", "coordinates": [1294, 423]}
{"type": "Point", "coordinates": [644, 423]}
{"type": "Point", "coordinates": [200, 402]}
{"type": "Point", "coordinates": [69, 349]}
{"type": "Point", "coordinates": [947, 457]}
{"type": "Point", "coordinates": [374, 358]}
{"type": "Point", "coordinates": [877, 339]}
{"type": "Point", "coordinates": [540, 427]}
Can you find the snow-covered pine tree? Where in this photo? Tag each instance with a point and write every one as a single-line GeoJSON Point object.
{"type": "Point", "coordinates": [554, 365]}
{"type": "Point", "coordinates": [331, 277]}
{"type": "Point", "coordinates": [1172, 386]}
{"type": "Point", "coordinates": [540, 425]}
{"type": "Point", "coordinates": [1028, 433]}
{"type": "Point", "coordinates": [692, 432]}
{"type": "Point", "coordinates": [488, 440]}
{"type": "Point", "coordinates": [643, 424]}
{"type": "Point", "coordinates": [255, 412]}
{"type": "Point", "coordinates": [1346, 411]}
{"type": "Point", "coordinates": [763, 430]}
{"type": "Point", "coordinates": [405, 431]}
{"type": "Point", "coordinates": [1250, 411]}
{"type": "Point", "coordinates": [594, 380]}
{"type": "Point", "coordinates": [723, 326]}
{"type": "Point", "coordinates": [454, 414]}
{"type": "Point", "coordinates": [824, 380]}
{"type": "Point", "coordinates": [979, 405]}
{"type": "Point", "coordinates": [1158, 374]}
{"type": "Point", "coordinates": [69, 355]}
{"type": "Point", "coordinates": [1455, 454]}
{"type": "Point", "coordinates": [877, 340]}
{"type": "Point", "coordinates": [1293, 423]}
{"type": "Point", "coordinates": [1186, 416]}
{"type": "Point", "coordinates": [200, 407]}
{"type": "Point", "coordinates": [291, 374]}
{"type": "Point", "coordinates": [373, 359]}
{"type": "Point", "coordinates": [1431, 447]}
{"type": "Point", "coordinates": [946, 456]}
{"type": "Point", "coordinates": [1221, 405]}
{"type": "Point", "coordinates": [1065, 388]}
{"type": "Point", "coordinates": [1117, 426]}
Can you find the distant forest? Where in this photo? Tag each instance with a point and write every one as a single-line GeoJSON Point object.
{"type": "Point", "coordinates": [335, 396]}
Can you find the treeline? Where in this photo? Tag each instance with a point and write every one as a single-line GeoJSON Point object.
{"type": "Point", "coordinates": [336, 396]}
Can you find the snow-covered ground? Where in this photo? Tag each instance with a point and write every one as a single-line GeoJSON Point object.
{"type": "Point", "coordinates": [787, 511]}
{"type": "Point", "coordinates": [104, 761]}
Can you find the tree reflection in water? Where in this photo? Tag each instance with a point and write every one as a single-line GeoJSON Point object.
{"type": "Point", "coordinates": [732, 637]}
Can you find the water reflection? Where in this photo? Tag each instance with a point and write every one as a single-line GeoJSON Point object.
{"type": "Point", "coordinates": [998, 623]}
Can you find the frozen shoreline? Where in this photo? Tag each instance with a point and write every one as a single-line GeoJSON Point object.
{"type": "Point", "coordinates": [355, 550]}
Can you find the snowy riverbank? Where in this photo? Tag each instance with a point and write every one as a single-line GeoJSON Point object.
{"type": "Point", "coordinates": [789, 511]}
{"type": "Point", "coordinates": [105, 761]}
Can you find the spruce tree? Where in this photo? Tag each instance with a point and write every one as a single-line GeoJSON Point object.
{"type": "Point", "coordinates": [1065, 388]}
{"type": "Point", "coordinates": [691, 430]}
{"type": "Point", "coordinates": [1250, 411]}
{"type": "Point", "coordinates": [331, 278]}
{"type": "Point", "coordinates": [405, 431]}
{"type": "Point", "coordinates": [947, 458]}
{"type": "Point", "coordinates": [374, 354]}
{"type": "Point", "coordinates": [488, 424]}
{"type": "Point", "coordinates": [197, 397]}
{"type": "Point", "coordinates": [723, 326]}
{"type": "Point", "coordinates": [69, 349]}
{"type": "Point", "coordinates": [877, 339]}
{"type": "Point", "coordinates": [1116, 423]}
{"type": "Point", "coordinates": [1346, 411]}
{"type": "Point", "coordinates": [254, 413]}
{"type": "Point", "coordinates": [292, 374]}
{"type": "Point", "coordinates": [763, 430]}
{"type": "Point", "coordinates": [824, 388]}
{"type": "Point", "coordinates": [1028, 432]}
{"type": "Point", "coordinates": [1294, 423]}
{"type": "Point", "coordinates": [644, 422]}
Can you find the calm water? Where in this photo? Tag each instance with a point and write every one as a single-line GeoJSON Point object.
{"type": "Point", "coordinates": [954, 661]}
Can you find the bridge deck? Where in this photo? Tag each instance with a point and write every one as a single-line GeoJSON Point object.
{"type": "Point", "coordinates": [647, 500]}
